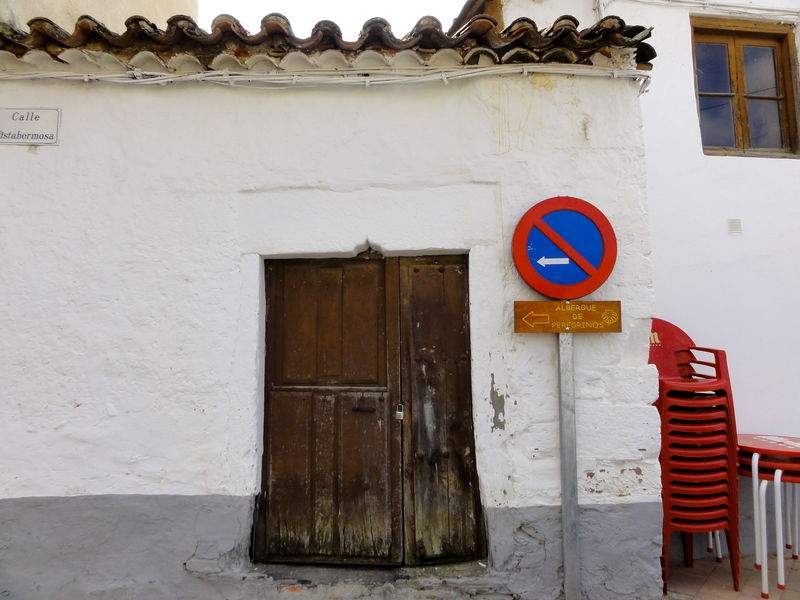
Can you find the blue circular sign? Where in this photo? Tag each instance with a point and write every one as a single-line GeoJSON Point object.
{"type": "Point", "coordinates": [564, 247]}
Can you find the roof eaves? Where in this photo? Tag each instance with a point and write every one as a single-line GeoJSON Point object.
{"type": "Point", "coordinates": [479, 38]}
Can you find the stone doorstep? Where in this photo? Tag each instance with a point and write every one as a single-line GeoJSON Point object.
{"type": "Point", "coordinates": [472, 578]}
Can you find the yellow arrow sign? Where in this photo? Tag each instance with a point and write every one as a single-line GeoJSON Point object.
{"type": "Point", "coordinates": [532, 319]}
{"type": "Point", "coordinates": [568, 316]}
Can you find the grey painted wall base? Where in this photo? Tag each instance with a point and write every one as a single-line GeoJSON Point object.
{"type": "Point", "coordinates": [187, 547]}
{"type": "Point", "coordinates": [119, 547]}
{"type": "Point", "coordinates": [620, 548]}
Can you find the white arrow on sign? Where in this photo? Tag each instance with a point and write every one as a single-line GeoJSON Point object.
{"type": "Point", "coordinates": [553, 261]}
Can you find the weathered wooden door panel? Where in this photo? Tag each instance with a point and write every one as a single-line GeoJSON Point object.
{"type": "Point", "coordinates": [441, 499]}
{"type": "Point", "coordinates": [344, 481]}
{"type": "Point", "coordinates": [364, 521]}
{"type": "Point", "coordinates": [331, 328]}
{"type": "Point", "coordinates": [332, 449]}
{"type": "Point", "coordinates": [290, 494]}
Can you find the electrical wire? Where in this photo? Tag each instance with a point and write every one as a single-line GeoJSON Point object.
{"type": "Point", "coordinates": [321, 78]}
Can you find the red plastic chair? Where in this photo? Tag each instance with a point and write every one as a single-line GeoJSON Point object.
{"type": "Point", "coordinates": [665, 339]}
{"type": "Point", "coordinates": [693, 379]}
{"type": "Point", "coordinates": [699, 458]}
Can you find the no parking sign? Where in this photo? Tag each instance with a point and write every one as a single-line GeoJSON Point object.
{"type": "Point", "coordinates": [564, 247]}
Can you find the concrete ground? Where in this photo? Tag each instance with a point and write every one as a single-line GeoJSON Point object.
{"type": "Point", "coordinates": [710, 580]}
{"type": "Point", "coordinates": [461, 581]}
{"type": "Point", "coordinates": [706, 580]}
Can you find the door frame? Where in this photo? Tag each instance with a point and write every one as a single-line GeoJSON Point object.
{"type": "Point", "coordinates": [398, 382]}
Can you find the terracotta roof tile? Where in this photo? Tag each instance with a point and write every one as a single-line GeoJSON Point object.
{"type": "Point", "coordinates": [477, 39]}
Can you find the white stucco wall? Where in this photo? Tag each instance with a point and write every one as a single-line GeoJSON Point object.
{"type": "Point", "coordinates": [112, 14]}
{"type": "Point", "coordinates": [739, 293]}
{"type": "Point", "coordinates": [132, 304]}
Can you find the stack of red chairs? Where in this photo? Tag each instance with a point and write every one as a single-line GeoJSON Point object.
{"type": "Point", "coordinates": [699, 453]}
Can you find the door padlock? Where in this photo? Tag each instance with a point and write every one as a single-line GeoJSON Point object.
{"type": "Point", "coordinates": [398, 412]}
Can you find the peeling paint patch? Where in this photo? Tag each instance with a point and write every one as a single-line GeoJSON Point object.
{"type": "Point", "coordinates": [622, 480]}
{"type": "Point", "coordinates": [498, 406]}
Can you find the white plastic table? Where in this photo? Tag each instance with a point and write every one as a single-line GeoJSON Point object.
{"type": "Point", "coordinates": [773, 458]}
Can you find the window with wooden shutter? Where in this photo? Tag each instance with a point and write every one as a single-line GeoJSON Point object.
{"type": "Point", "coordinates": [744, 84]}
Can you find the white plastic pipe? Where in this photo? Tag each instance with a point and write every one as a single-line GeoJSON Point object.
{"type": "Point", "coordinates": [350, 77]}
{"type": "Point", "coordinates": [779, 530]}
{"type": "Point", "coordinates": [756, 509]}
{"type": "Point", "coordinates": [788, 493]}
{"type": "Point", "coordinates": [796, 521]}
{"type": "Point", "coordinates": [762, 526]}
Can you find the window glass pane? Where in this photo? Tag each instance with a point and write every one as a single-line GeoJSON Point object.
{"type": "Point", "coordinates": [759, 71]}
{"type": "Point", "coordinates": [716, 121]}
{"type": "Point", "coordinates": [765, 124]}
{"type": "Point", "coordinates": [712, 68]}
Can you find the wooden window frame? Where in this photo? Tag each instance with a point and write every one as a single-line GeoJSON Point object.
{"type": "Point", "coordinates": [735, 34]}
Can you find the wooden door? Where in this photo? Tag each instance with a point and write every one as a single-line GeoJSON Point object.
{"type": "Point", "coordinates": [331, 477]}
{"type": "Point", "coordinates": [343, 480]}
{"type": "Point", "coordinates": [441, 500]}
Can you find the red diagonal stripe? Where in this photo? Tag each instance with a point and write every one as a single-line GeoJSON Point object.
{"type": "Point", "coordinates": [564, 246]}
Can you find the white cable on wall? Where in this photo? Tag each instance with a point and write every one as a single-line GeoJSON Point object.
{"type": "Point", "coordinates": [726, 8]}
{"type": "Point", "coordinates": [319, 78]}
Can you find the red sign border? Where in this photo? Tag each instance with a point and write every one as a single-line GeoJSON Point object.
{"type": "Point", "coordinates": [540, 284]}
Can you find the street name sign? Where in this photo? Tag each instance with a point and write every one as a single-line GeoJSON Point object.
{"type": "Point", "coordinates": [581, 316]}
{"type": "Point", "coordinates": [30, 126]}
{"type": "Point", "coordinates": [564, 248]}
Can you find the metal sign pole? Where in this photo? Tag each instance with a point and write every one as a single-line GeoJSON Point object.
{"type": "Point", "coordinates": [565, 248]}
{"type": "Point", "coordinates": [569, 467]}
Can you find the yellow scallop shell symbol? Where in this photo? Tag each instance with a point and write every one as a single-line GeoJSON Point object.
{"type": "Point", "coordinates": [610, 317]}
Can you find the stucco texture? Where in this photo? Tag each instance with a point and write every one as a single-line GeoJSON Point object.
{"type": "Point", "coordinates": [195, 547]}
{"type": "Point", "coordinates": [133, 294]}
{"type": "Point", "coordinates": [736, 292]}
